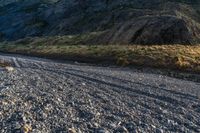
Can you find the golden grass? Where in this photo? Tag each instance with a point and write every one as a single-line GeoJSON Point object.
{"type": "Point", "coordinates": [180, 57]}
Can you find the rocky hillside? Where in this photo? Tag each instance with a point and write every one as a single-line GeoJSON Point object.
{"type": "Point", "coordinates": [117, 21]}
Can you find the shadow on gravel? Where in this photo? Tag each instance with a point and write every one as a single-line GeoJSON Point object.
{"type": "Point", "coordinates": [183, 95]}
{"type": "Point", "coordinates": [188, 96]}
{"type": "Point", "coordinates": [120, 87]}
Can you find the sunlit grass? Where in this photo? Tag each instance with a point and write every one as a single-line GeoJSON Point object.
{"type": "Point", "coordinates": [162, 56]}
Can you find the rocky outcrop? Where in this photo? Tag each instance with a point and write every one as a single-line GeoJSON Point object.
{"type": "Point", "coordinates": [154, 30]}
{"type": "Point", "coordinates": [124, 22]}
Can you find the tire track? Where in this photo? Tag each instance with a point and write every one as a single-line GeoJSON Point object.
{"type": "Point", "coordinates": [89, 91]}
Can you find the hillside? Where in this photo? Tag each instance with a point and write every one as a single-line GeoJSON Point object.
{"type": "Point", "coordinates": [99, 66]}
{"type": "Point", "coordinates": [116, 21]}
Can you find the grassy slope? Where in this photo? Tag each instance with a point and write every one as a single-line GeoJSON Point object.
{"type": "Point", "coordinates": [181, 57]}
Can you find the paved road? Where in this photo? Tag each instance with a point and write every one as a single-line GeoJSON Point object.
{"type": "Point", "coordinates": [46, 96]}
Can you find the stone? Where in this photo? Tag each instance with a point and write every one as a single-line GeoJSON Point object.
{"type": "Point", "coordinates": [72, 130]}
{"type": "Point", "coordinates": [9, 68]}
{"type": "Point", "coordinates": [102, 130]}
{"type": "Point", "coordinates": [26, 128]}
{"type": "Point", "coordinates": [121, 129]}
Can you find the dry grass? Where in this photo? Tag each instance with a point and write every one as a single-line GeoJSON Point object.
{"type": "Point", "coordinates": [180, 57]}
{"type": "Point", "coordinates": [4, 63]}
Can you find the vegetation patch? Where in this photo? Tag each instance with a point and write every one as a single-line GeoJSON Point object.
{"type": "Point", "coordinates": [4, 63]}
{"type": "Point", "coordinates": [180, 57]}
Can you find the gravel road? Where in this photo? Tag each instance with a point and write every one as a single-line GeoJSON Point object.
{"type": "Point", "coordinates": [44, 96]}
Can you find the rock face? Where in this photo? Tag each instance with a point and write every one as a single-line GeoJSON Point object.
{"type": "Point", "coordinates": [154, 30]}
{"type": "Point", "coordinates": [121, 21]}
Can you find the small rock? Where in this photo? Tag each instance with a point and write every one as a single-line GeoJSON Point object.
{"type": "Point", "coordinates": [9, 69]}
{"type": "Point", "coordinates": [71, 130]}
{"type": "Point", "coordinates": [162, 85]}
{"type": "Point", "coordinates": [26, 128]}
{"type": "Point", "coordinates": [59, 100]}
{"type": "Point", "coordinates": [130, 126]}
{"type": "Point", "coordinates": [17, 125]}
{"type": "Point", "coordinates": [159, 130]}
{"type": "Point", "coordinates": [96, 124]}
{"type": "Point", "coordinates": [84, 84]}
{"type": "Point", "coordinates": [121, 129]}
{"type": "Point", "coordinates": [153, 126]}
{"type": "Point", "coordinates": [76, 62]}
{"type": "Point", "coordinates": [112, 125]}
{"type": "Point", "coordinates": [101, 130]}
{"type": "Point", "coordinates": [165, 111]}
{"type": "Point", "coordinates": [181, 110]}
{"type": "Point", "coordinates": [60, 88]}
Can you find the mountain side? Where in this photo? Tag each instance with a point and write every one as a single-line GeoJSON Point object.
{"type": "Point", "coordinates": [121, 22]}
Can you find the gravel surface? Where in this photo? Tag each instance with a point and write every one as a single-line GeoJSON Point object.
{"type": "Point", "coordinates": [43, 96]}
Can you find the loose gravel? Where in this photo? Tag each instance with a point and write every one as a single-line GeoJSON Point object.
{"type": "Point", "coordinates": [44, 96]}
